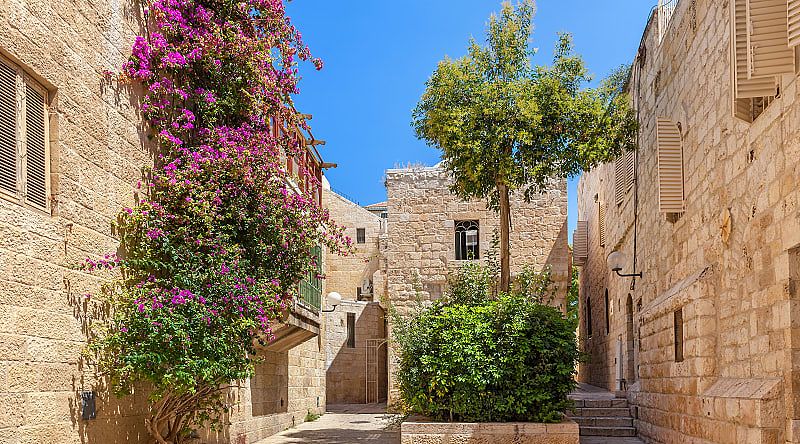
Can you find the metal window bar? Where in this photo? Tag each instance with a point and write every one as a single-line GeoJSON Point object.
{"type": "Point", "coordinates": [311, 286]}
{"type": "Point", "coordinates": [466, 240]}
{"type": "Point", "coordinates": [666, 8]}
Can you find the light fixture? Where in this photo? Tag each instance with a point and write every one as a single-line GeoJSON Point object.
{"type": "Point", "coordinates": [616, 260]}
{"type": "Point", "coordinates": [333, 299]}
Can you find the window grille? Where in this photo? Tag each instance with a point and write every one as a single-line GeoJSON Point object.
{"type": "Point", "coordinates": [467, 240]}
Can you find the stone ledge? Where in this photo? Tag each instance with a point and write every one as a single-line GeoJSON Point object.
{"type": "Point", "coordinates": [419, 431]}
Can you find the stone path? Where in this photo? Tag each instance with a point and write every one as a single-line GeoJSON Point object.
{"type": "Point", "coordinates": [586, 392]}
{"type": "Point", "coordinates": [344, 424]}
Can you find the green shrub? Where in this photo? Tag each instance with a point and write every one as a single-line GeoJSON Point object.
{"type": "Point", "coordinates": [501, 360]}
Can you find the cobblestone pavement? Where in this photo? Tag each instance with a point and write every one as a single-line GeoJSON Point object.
{"type": "Point", "coordinates": [344, 424]}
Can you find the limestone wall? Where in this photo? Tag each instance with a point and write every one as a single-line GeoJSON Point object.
{"type": "Point", "coordinates": [96, 152]}
{"type": "Point", "coordinates": [97, 149]}
{"type": "Point", "coordinates": [347, 370]}
{"type": "Point", "coordinates": [344, 274]}
{"type": "Point", "coordinates": [738, 295]}
{"type": "Point", "coordinates": [420, 246]}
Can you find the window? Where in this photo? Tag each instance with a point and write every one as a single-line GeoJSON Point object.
{"type": "Point", "coordinates": [601, 222]}
{"type": "Point", "coordinates": [623, 176]}
{"type": "Point", "coordinates": [466, 240]}
{"type": "Point", "coordinates": [351, 330]}
{"type": "Point", "coordinates": [588, 317]}
{"type": "Point", "coordinates": [24, 156]}
{"type": "Point", "coordinates": [765, 33]}
{"type": "Point", "coordinates": [678, 333]}
{"type": "Point", "coordinates": [608, 314]}
{"type": "Point", "coordinates": [580, 243]}
{"type": "Point", "coordinates": [361, 235]}
{"type": "Point", "coordinates": [670, 166]}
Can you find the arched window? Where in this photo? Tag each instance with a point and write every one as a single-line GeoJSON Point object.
{"type": "Point", "coordinates": [466, 240]}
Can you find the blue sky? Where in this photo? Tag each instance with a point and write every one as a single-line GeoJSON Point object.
{"type": "Point", "coordinates": [378, 55]}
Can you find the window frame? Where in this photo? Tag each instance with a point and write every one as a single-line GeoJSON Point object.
{"type": "Point", "coordinates": [22, 82]}
{"type": "Point", "coordinates": [361, 235]}
{"type": "Point", "coordinates": [461, 228]}
{"type": "Point", "coordinates": [351, 330]}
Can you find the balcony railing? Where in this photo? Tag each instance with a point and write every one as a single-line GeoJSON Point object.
{"type": "Point", "coordinates": [665, 10]}
{"type": "Point", "coordinates": [311, 286]}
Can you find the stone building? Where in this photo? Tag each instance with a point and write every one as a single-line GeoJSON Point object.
{"type": "Point", "coordinates": [355, 333]}
{"type": "Point", "coordinates": [431, 232]}
{"type": "Point", "coordinates": [704, 343]}
{"type": "Point", "coordinates": [84, 148]}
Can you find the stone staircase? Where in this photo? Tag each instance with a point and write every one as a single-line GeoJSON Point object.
{"type": "Point", "coordinates": [603, 417]}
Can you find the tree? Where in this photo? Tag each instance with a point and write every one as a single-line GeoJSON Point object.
{"type": "Point", "coordinates": [504, 125]}
{"type": "Point", "coordinates": [217, 242]}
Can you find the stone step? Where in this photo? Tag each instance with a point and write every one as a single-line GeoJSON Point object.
{"type": "Point", "coordinates": [599, 421]}
{"type": "Point", "coordinates": [600, 403]}
{"type": "Point", "coordinates": [600, 412]}
{"type": "Point", "coordinates": [608, 431]}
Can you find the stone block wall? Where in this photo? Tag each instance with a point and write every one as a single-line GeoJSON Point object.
{"type": "Point", "coordinates": [736, 295]}
{"type": "Point", "coordinates": [347, 370]}
{"type": "Point", "coordinates": [344, 274]}
{"type": "Point", "coordinates": [420, 244]}
{"type": "Point", "coordinates": [97, 149]}
{"type": "Point", "coordinates": [96, 152]}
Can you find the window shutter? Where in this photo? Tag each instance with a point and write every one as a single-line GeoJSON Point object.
{"type": "Point", "coordinates": [670, 167]}
{"type": "Point", "coordinates": [580, 243]}
{"type": "Point", "coordinates": [794, 23]}
{"type": "Point", "coordinates": [601, 223]}
{"type": "Point", "coordinates": [770, 54]}
{"type": "Point", "coordinates": [35, 143]}
{"type": "Point", "coordinates": [623, 176]}
{"type": "Point", "coordinates": [744, 86]}
{"type": "Point", "coordinates": [8, 129]}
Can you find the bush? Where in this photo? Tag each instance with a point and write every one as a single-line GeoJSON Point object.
{"type": "Point", "coordinates": [509, 359]}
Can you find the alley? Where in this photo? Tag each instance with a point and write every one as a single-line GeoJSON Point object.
{"type": "Point", "coordinates": [345, 424]}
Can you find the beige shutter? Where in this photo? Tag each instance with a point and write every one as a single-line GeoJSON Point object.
{"type": "Point", "coordinates": [670, 167]}
{"type": "Point", "coordinates": [8, 129]}
{"type": "Point", "coordinates": [794, 23]}
{"type": "Point", "coordinates": [745, 86]}
{"type": "Point", "coordinates": [601, 222]}
{"type": "Point", "coordinates": [35, 147]}
{"type": "Point", "coordinates": [623, 176]}
{"type": "Point", "coordinates": [770, 54]}
{"type": "Point", "coordinates": [580, 243]}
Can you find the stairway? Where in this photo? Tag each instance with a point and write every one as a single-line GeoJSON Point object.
{"type": "Point", "coordinates": [603, 417]}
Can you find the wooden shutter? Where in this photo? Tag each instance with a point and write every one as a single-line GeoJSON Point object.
{"type": "Point", "coordinates": [670, 167]}
{"type": "Point", "coordinates": [8, 128]}
{"type": "Point", "coordinates": [768, 42]}
{"type": "Point", "coordinates": [794, 23]}
{"type": "Point", "coordinates": [35, 147]}
{"type": "Point", "coordinates": [601, 224]}
{"type": "Point", "coordinates": [623, 176]}
{"type": "Point", "coordinates": [580, 243]}
{"type": "Point", "coordinates": [744, 86]}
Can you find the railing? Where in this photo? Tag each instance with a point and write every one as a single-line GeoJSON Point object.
{"type": "Point", "coordinates": [665, 10]}
{"type": "Point", "coordinates": [311, 286]}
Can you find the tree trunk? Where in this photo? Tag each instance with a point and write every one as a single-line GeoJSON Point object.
{"type": "Point", "coordinates": [505, 228]}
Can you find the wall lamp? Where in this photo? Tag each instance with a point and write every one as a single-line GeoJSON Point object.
{"type": "Point", "coordinates": [333, 298]}
{"type": "Point", "coordinates": [617, 260]}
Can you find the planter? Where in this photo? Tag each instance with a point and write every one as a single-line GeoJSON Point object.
{"type": "Point", "coordinates": [417, 430]}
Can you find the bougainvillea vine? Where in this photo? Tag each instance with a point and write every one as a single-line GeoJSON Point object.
{"type": "Point", "coordinates": [213, 250]}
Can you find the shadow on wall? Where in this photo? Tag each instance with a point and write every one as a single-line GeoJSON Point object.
{"type": "Point", "coordinates": [558, 257]}
{"type": "Point", "coordinates": [269, 388]}
{"type": "Point", "coordinates": [346, 376]}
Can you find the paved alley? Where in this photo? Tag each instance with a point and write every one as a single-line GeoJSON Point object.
{"type": "Point", "coordinates": [345, 424]}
